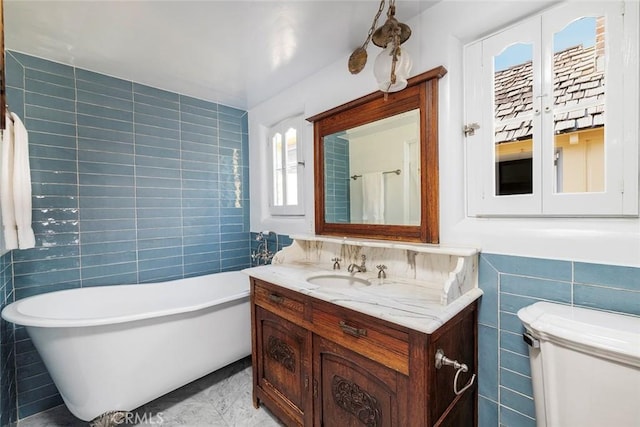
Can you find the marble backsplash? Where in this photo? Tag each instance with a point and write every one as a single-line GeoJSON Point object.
{"type": "Point", "coordinates": [454, 270]}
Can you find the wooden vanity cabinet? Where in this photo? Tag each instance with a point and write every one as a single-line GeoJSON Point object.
{"type": "Point", "coordinates": [281, 353]}
{"type": "Point", "coordinates": [353, 390]}
{"type": "Point", "coordinates": [319, 364]}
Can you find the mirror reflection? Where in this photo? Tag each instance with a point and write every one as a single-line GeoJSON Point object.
{"type": "Point", "coordinates": [372, 172]}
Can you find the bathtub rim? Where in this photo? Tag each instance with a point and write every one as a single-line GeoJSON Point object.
{"type": "Point", "coordinates": [11, 312]}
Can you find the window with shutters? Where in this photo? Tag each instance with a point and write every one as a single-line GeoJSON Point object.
{"type": "Point", "coordinates": [556, 101]}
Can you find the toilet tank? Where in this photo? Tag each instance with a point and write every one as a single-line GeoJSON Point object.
{"type": "Point", "coordinates": [585, 366]}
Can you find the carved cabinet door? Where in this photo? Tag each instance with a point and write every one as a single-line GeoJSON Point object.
{"type": "Point", "coordinates": [283, 368]}
{"type": "Point", "coordinates": [353, 391]}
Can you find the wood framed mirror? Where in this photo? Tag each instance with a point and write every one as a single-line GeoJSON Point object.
{"type": "Point", "coordinates": [376, 164]}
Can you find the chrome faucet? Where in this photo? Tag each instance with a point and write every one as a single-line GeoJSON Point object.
{"type": "Point", "coordinates": [355, 268]}
{"type": "Point", "coordinates": [381, 271]}
{"type": "Point", "coordinates": [336, 263]}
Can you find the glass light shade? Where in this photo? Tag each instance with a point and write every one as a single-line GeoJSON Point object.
{"type": "Point", "coordinates": [382, 69]}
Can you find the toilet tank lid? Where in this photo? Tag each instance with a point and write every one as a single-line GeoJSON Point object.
{"type": "Point", "coordinates": [612, 335]}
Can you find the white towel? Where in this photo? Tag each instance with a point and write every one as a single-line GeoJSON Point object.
{"type": "Point", "coordinates": [373, 198]}
{"type": "Point", "coordinates": [15, 186]}
{"type": "Point", "coordinates": [10, 231]}
{"type": "Point", "coordinates": [22, 184]}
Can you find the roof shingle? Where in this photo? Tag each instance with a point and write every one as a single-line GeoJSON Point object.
{"type": "Point", "coordinates": [577, 80]}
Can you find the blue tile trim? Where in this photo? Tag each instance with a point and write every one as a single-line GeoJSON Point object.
{"type": "Point", "coordinates": [105, 100]}
{"type": "Point", "coordinates": [99, 89]}
{"type": "Point", "coordinates": [513, 343]}
{"type": "Point", "coordinates": [536, 288]}
{"type": "Point", "coordinates": [28, 61]}
{"type": "Point", "coordinates": [516, 382]}
{"type": "Point", "coordinates": [602, 298]}
{"type": "Point", "coordinates": [608, 275]}
{"type": "Point", "coordinates": [488, 363]}
{"type": "Point", "coordinates": [47, 77]}
{"type": "Point", "coordinates": [155, 92]}
{"type": "Point", "coordinates": [511, 418]}
{"type": "Point", "coordinates": [488, 282]}
{"type": "Point", "coordinates": [14, 71]}
{"type": "Point", "coordinates": [107, 81]}
{"type": "Point", "coordinates": [533, 267]}
{"type": "Point", "coordinates": [32, 98]}
{"type": "Point", "coordinates": [487, 413]}
{"type": "Point", "coordinates": [518, 402]}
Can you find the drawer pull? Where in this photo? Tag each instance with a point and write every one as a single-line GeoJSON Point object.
{"type": "Point", "coordinates": [353, 331]}
{"type": "Point", "coordinates": [276, 298]}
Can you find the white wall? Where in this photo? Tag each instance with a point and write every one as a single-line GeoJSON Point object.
{"type": "Point", "coordinates": [439, 35]}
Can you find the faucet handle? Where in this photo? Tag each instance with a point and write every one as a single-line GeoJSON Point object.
{"type": "Point", "coordinates": [363, 266]}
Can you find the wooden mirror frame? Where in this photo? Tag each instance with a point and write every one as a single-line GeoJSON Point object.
{"type": "Point", "coordinates": [422, 93]}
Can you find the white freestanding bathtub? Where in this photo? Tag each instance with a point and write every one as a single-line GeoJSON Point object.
{"type": "Point", "coordinates": [115, 348]}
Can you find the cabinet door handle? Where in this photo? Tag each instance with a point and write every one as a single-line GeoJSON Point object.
{"type": "Point", "coordinates": [306, 382]}
{"type": "Point", "coordinates": [351, 330]}
{"type": "Point", "coordinates": [276, 298]}
{"type": "Point", "coordinates": [315, 388]}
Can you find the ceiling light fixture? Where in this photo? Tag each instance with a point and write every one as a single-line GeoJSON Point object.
{"type": "Point", "coordinates": [393, 64]}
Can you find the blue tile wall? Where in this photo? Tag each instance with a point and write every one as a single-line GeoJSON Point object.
{"type": "Point", "coordinates": [337, 188]}
{"type": "Point", "coordinates": [131, 184]}
{"type": "Point", "coordinates": [510, 283]}
{"type": "Point", "coordinates": [7, 350]}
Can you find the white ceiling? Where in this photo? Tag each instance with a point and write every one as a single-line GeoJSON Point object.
{"type": "Point", "coordinates": [237, 53]}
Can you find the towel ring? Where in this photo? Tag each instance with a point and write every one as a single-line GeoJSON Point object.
{"type": "Point", "coordinates": [442, 360]}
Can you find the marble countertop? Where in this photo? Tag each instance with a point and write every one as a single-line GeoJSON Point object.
{"type": "Point", "coordinates": [406, 302]}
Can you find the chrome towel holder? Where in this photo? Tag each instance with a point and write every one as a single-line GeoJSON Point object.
{"type": "Point", "coordinates": [442, 360]}
{"type": "Point", "coordinates": [396, 171]}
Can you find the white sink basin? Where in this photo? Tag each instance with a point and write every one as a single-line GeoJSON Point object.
{"type": "Point", "coordinates": [337, 280]}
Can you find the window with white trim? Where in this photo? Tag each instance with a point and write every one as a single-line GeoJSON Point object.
{"type": "Point", "coordinates": [286, 173]}
{"type": "Point", "coordinates": [556, 101]}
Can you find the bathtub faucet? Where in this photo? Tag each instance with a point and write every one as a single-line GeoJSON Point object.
{"type": "Point", "coordinates": [263, 255]}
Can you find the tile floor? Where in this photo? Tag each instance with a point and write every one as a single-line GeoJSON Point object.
{"type": "Point", "coordinates": [221, 399]}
